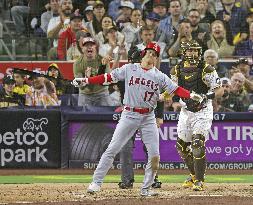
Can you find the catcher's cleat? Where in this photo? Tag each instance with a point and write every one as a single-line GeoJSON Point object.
{"type": "Point", "coordinates": [148, 192]}
{"type": "Point", "coordinates": [198, 186]}
{"type": "Point", "coordinates": [93, 188]}
{"type": "Point", "coordinates": [189, 181]}
{"type": "Point", "coordinates": [123, 185]}
{"type": "Point", "coordinates": [157, 185]}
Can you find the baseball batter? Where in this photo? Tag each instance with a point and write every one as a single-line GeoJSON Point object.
{"type": "Point", "coordinates": [143, 84]}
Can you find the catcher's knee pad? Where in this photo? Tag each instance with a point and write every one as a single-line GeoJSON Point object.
{"type": "Point", "coordinates": [198, 146]}
{"type": "Point", "coordinates": [155, 163]}
{"type": "Point", "coordinates": [183, 148]}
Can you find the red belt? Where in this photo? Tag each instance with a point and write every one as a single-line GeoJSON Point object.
{"type": "Point", "coordinates": [137, 109]}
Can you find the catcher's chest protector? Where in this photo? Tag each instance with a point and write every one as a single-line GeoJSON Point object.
{"type": "Point", "coordinates": [190, 78]}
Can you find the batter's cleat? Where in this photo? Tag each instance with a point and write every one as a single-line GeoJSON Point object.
{"type": "Point", "coordinates": [157, 185]}
{"type": "Point", "coordinates": [93, 188]}
{"type": "Point", "coordinates": [123, 185]}
{"type": "Point", "coordinates": [148, 192]}
{"type": "Point", "coordinates": [189, 181]}
{"type": "Point", "coordinates": [198, 186]}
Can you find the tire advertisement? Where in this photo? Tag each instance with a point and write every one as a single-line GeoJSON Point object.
{"type": "Point", "coordinates": [30, 139]}
{"type": "Point", "coordinates": [228, 146]}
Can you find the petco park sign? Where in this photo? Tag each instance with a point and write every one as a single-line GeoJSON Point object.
{"type": "Point", "coordinates": [28, 144]}
{"type": "Point", "coordinates": [31, 135]}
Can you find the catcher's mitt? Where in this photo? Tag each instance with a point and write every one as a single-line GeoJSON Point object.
{"type": "Point", "coordinates": [134, 55]}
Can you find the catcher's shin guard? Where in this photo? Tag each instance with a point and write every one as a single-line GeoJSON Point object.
{"type": "Point", "coordinates": [199, 156]}
{"type": "Point", "coordinates": [186, 154]}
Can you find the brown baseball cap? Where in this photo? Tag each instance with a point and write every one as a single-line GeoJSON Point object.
{"type": "Point", "coordinates": [98, 3]}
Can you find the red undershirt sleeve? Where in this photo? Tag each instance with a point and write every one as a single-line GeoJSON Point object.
{"type": "Point", "coordinates": [183, 93]}
{"type": "Point", "coordinates": [100, 79]}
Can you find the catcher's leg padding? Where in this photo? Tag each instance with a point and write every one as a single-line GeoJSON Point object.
{"type": "Point", "coordinates": [155, 163]}
{"type": "Point", "coordinates": [186, 154]}
{"type": "Point", "coordinates": [199, 156]}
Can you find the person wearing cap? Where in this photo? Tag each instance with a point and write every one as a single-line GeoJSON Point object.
{"type": "Point", "coordinates": [41, 93]}
{"type": "Point", "coordinates": [88, 14]}
{"type": "Point", "coordinates": [242, 66]}
{"type": "Point", "coordinates": [21, 87]}
{"type": "Point", "coordinates": [92, 64]}
{"type": "Point", "coordinates": [99, 11]}
{"type": "Point", "coordinates": [7, 97]}
{"type": "Point", "coordinates": [113, 46]}
{"type": "Point", "coordinates": [160, 8]}
{"type": "Point", "coordinates": [228, 102]}
{"type": "Point", "coordinates": [68, 37]}
{"type": "Point", "coordinates": [124, 13]}
{"type": "Point", "coordinates": [75, 50]}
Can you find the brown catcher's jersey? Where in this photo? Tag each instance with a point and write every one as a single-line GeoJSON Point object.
{"type": "Point", "coordinates": [201, 79]}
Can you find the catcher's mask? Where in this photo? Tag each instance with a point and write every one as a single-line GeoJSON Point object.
{"type": "Point", "coordinates": [153, 46]}
{"type": "Point", "coordinates": [192, 45]}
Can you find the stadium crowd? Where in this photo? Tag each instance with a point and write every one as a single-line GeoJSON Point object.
{"type": "Point", "coordinates": [91, 32]}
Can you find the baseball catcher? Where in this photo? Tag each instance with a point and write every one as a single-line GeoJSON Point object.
{"type": "Point", "coordinates": [195, 118]}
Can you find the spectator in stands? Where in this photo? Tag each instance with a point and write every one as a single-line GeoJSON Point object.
{"type": "Point", "coordinates": [51, 12]}
{"type": "Point", "coordinates": [184, 35]}
{"type": "Point", "coordinates": [99, 11]}
{"type": "Point", "coordinates": [41, 93]}
{"type": "Point", "coordinates": [160, 8]}
{"type": "Point", "coordinates": [243, 66]}
{"type": "Point", "coordinates": [211, 57]}
{"type": "Point", "coordinates": [147, 35]}
{"type": "Point", "coordinates": [107, 22]}
{"type": "Point", "coordinates": [113, 46]}
{"type": "Point", "coordinates": [21, 88]}
{"type": "Point", "coordinates": [170, 24]}
{"type": "Point", "coordinates": [228, 102]}
{"type": "Point", "coordinates": [234, 18]}
{"type": "Point", "coordinates": [75, 50]}
{"type": "Point", "coordinates": [206, 17]}
{"type": "Point", "coordinates": [199, 33]}
{"type": "Point", "coordinates": [238, 90]}
{"type": "Point", "coordinates": [115, 96]}
{"type": "Point", "coordinates": [19, 11]}
{"type": "Point", "coordinates": [58, 24]}
{"type": "Point", "coordinates": [88, 14]}
{"type": "Point", "coordinates": [68, 37]}
{"type": "Point", "coordinates": [125, 10]}
{"type": "Point", "coordinates": [218, 41]}
{"type": "Point", "coordinates": [245, 48]}
{"type": "Point", "coordinates": [91, 64]}
{"type": "Point", "coordinates": [7, 97]}
{"type": "Point", "coordinates": [131, 30]}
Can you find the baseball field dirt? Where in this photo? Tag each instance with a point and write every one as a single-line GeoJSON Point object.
{"type": "Point", "coordinates": [75, 193]}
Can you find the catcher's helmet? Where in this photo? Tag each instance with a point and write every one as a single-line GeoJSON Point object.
{"type": "Point", "coordinates": [154, 46]}
{"type": "Point", "coordinates": [191, 45]}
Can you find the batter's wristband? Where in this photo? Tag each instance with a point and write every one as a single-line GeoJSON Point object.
{"type": "Point", "coordinates": [210, 95]}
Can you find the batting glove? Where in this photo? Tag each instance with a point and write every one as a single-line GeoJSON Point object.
{"type": "Point", "coordinates": [79, 82]}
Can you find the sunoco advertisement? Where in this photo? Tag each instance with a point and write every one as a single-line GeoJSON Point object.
{"type": "Point", "coordinates": [30, 139]}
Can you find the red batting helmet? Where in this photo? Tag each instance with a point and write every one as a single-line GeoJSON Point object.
{"type": "Point", "coordinates": [154, 46]}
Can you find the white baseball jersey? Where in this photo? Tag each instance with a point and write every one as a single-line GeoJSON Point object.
{"type": "Point", "coordinates": [142, 87]}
